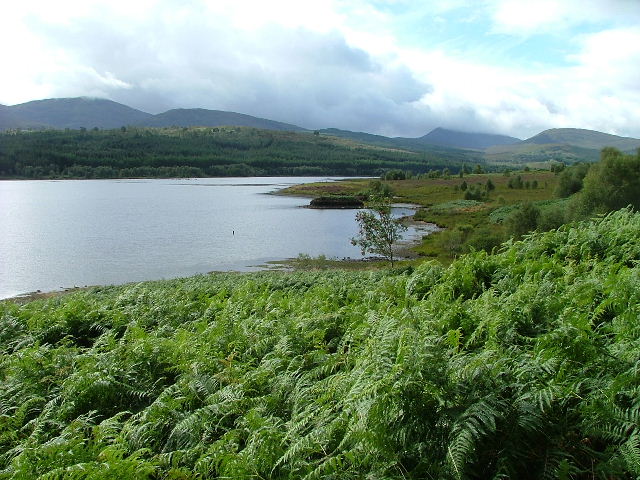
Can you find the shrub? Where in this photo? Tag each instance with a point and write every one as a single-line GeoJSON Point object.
{"type": "Point", "coordinates": [475, 193]}
{"type": "Point", "coordinates": [524, 219]}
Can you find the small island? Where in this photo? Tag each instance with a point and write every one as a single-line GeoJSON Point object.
{"type": "Point", "coordinates": [338, 201]}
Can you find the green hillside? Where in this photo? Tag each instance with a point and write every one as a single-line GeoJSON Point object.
{"type": "Point", "coordinates": [438, 140]}
{"type": "Point", "coordinates": [73, 113]}
{"type": "Point", "coordinates": [585, 138]}
{"type": "Point", "coordinates": [522, 364]}
{"type": "Point", "coordinates": [199, 152]}
{"type": "Point", "coordinates": [567, 145]}
{"type": "Point", "coordinates": [473, 140]}
{"type": "Point", "coordinates": [200, 117]}
{"type": "Point", "coordinates": [535, 153]}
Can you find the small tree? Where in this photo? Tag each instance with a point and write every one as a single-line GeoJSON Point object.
{"type": "Point", "coordinates": [489, 185]}
{"type": "Point", "coordinates": [378, 229]}
{"type": "Point", "coordinates": [524, 219]}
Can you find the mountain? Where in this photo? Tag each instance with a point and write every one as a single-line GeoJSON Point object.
{"type": "Point", "coordinates": [584, 138]}
{"type": "Point", "coordinates": [540, 153]}
{"type": "Point", "coordinates": [192, 117]}
{"type": "Point", "coordinates": [406, 143]}
{"type": "Point", "coordinates": [562, 144]}
{"type": "Point", "coordinates": [457, 139]}
{"type": "Point", "coordinates": [568, 145]}
{"type": "Point", "coordinates": [76, 113]}
{"type": "Point", "coordinates": [8, 119]}
{"type": "Point", "coordinates": [361, 136]}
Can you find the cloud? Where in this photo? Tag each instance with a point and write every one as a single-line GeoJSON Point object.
{"type": "Point", "coordinates": [357, 65]}
{"type": "Point", "coordinates": [543, 16]}
{"type": "Point", "coordinates": [194, 58]}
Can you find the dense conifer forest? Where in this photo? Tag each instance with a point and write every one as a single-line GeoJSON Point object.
{"type": "Point", "coordinates": [204, 152]}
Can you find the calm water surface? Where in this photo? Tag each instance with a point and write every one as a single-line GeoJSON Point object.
{"type": "Point", "coordinates": [56, 234]}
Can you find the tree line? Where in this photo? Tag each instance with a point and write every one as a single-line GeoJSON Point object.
{"type": "Point", "coordinates": [199, 152]}
{"type": "Point", "coordinates": [584, 190]}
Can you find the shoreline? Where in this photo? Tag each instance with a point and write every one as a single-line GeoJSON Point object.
{"type": "Point", "coordinates": [40, 295]}
{"type": "Point", "coordinates": [404, 250]}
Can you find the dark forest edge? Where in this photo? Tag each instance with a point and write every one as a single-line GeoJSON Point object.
{"type": "Point", "coordinates": [205, 152]}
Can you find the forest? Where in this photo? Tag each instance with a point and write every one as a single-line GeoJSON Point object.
{"type": "Point", "coordinates": [203, 152]}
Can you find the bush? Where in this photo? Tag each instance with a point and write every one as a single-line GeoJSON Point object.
{"type": "Point", "coordinates": [612, 183]}
{"type": "Point", "coordinates": [515, 182]}
{"type": "Point", "coordinates": [475, 193]}
{"type": "Point", "coordinates": [570, 179]}
{"type": "Point", "coordinates": [485, 238]}
{"type": "Point", "coordinates": [489, 186]}
{"type": "Point", "coordinates": [524, 219]}
{"type": "Point", "coordinates": [552, 217]}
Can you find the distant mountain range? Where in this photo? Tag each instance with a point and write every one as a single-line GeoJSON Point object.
{"type": "Point", "coordinates": [564, 144]}
{"type": "Point", "coordinates": [75, 113]}
{"type": "Point", "coordinates": [439, 137]}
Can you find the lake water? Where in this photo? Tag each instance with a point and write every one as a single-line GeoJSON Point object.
{"type": "Point", "coordinates": [65, 233]}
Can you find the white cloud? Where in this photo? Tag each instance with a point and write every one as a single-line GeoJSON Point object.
{"type": "Point", "coordinates": [541, 16]}
{"type": "Point", "coordinates": [333, 63]}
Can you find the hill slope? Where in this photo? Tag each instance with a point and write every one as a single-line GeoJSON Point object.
{"type": "Point", "coordinates": [517, 365]}
{"type": "Point", "coordinates": [77, 112]}
{"type": "Point", "coordinates": [414, 144]}
{"type": "Point", "coordinates": [193, 117]}
{"type": "Point", "coordinates": [457, 139]}
{"type": "Point", "coordinates": [584, 138]}
{"type": "Point", "coordinates": [568, 145]}
{"type": "Point", "coordinates": [10, 120]}
{"type": "Point", "coordinates": [534, 153]}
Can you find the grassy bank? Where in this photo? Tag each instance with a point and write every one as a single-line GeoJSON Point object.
{"type": "Point", "coordinates": [468, 223]}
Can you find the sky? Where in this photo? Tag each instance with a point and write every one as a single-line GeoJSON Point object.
{"type": "Point", "coordinates": [389, 67]}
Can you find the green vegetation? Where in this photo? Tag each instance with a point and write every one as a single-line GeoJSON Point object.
{"type": "Point", "coordinates": [612, 183]}
{"type": "Point", "coordinates": [529, 153]}
{"type": "Point", "coordinates": [481, 211]}
{"type": "Point", "coordinates": [522, 364]}
{"type": "Point", "coordinates": [201, 151]}
{"type": "Point", "coordinates": [584, 190]}
{"type": "Point", "coordinates": [378, 230]}
{"type": "Point", "coordinates": [448, 203]}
